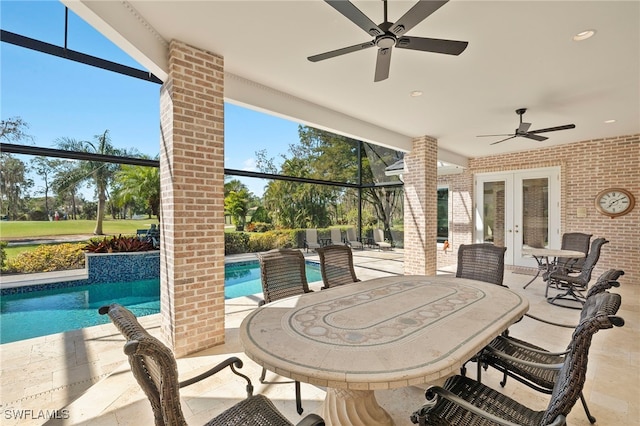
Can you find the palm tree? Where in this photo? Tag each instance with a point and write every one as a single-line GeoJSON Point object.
{"type": "Point", "coordinates": [141, 182]}
{"type": "Point", "coordinates": [99, 173]}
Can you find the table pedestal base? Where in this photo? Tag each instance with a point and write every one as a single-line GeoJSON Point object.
{"type": "Point", "coordinates": [344, 407]}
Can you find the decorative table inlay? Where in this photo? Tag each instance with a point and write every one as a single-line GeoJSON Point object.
{"type": "Point", "coordinates": [379, 334]}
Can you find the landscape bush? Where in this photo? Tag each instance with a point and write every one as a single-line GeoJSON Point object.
{"type": "Point", "coordinates": [48, 258]}
{"type": "Point", "coordinates": [119, 244]}
{"type": "Point", "coordinates": [3, 254]}
{"type": "Point", "coordinates": [236, 242]}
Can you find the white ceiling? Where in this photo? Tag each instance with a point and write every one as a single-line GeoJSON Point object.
{"type": "Point", "coordinates": [520, 54]}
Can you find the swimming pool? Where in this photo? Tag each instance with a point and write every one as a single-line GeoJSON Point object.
{"type": "Point", "coordinates": [39, 313]}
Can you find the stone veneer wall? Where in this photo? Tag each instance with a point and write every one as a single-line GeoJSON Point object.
{"type": "Point", "coordinates": [421, 207]}
{"type": "Point", "coordinates": [586, 168]}
{"type": "Point", "coordinates": [192, 188]}
{"type": "Point", "coordinates": [122, 267]}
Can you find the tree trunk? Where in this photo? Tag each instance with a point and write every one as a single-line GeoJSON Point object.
{"type": "Point", "coordinates": [100, 215]}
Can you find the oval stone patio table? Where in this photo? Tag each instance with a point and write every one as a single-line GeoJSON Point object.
{"type": "Point", "coordinates": [383, 333]}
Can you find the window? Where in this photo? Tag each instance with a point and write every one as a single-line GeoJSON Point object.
{"type": "Point", "coordinates": [443, 214]}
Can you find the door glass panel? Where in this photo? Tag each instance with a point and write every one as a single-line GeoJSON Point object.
{"type": "Point", "coordinates": [535, 212]}
{"type": "Point", "coordinates": [494, 213]}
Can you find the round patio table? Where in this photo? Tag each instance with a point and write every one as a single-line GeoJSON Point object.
{"type": "Point", "coordinates": [542, 255]}
{"type": "Point", "coordinates": [383, 333]}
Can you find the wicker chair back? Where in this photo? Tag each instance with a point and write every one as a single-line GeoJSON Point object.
{"type": "Point", "coordinates": [483, 262]}
{"type": "Point", "coordinates": [153, 365]}
{"type": "Point", "coordinates": [336, 266]}
{"type": "Point", "coordinates": [282, 272]}
{"type": "Point", "coordinates": [576, 241]}
{"type": "Point", "coordinates": [572, 376]}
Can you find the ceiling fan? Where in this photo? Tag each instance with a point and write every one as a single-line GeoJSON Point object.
{"type": "Point", "coordinates": [389, 34]}
{"type": "Point", "coordinates": [523, 130]}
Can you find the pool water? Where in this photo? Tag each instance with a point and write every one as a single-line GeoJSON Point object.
{"type": "Point", "coordinates": [43, 312]}
{"type": "Point", "coordinates": [242, 279]}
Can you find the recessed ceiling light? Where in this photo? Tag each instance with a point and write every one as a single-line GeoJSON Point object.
{"type": "Point", "coordinates": [610, 121]}
{"type": "Point", "coordinates": [415, 94]}
{"type": "Point", "coordinates": [583, 35]}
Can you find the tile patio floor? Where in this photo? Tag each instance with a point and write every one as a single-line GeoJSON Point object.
{"type": "Point", "coordinates": [84, 373]}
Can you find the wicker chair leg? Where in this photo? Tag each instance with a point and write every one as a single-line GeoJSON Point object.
{"type": "Point", "coordinates": [586, 409]}
{"type": "Point", "coordinates": [299, 408]}
{"type": "Point", "coordinates": [298, 399]}
{"type": "Point", "coordinates": [503, 383]}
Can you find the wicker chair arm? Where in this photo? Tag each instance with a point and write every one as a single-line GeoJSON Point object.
{"type": "Point", "coordinates": [232, 363]}
{"type": "Point", "coordinates": [311, 420]}
{"type": "Point", "coordinates": [515, 360]}
{"type": "Point", "coordinates": [435, 392]}
{"type": "Point", "coordinates": [529, 348]}
{"type": "Point", "coordinates": [557, 324]}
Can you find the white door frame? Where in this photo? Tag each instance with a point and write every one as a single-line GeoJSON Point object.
{"type": "Point", "coordinates": [514, 209]}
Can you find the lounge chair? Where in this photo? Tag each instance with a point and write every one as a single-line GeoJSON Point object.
{"type": "Point", "coordinates": [311, 239]}
{"type": "Point", "coordinates": [378, 239]}
{"type": "Point", "coordinates": [336, 237]}
{"type": "Point", "coordinates": [352, 240]}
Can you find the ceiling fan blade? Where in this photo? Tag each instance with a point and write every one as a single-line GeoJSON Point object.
{"type": "Point", "coordinates": [415, 15]}
{"type": "Point", "coordinates": [502, 140]}
{"type": "Point", "coordinates": [553, 129]}
{"type": "Point", "coordinates": [523, 127]}
{"type": "Point", "coordinates": [535, 137]}
{"type": "Point", "coordinates": [338, 52]}
{"type": "Point", "coordinates": [448, 47]}
{"type": "Point", "coordinates": [383, 64]}
{"type": "Point", "coordinates": [495, 136]}
{"type": "Point", "coordinates": [356, 16]}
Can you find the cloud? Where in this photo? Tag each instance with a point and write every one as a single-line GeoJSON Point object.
{"type": "Point", "coordinates": [249, 165]}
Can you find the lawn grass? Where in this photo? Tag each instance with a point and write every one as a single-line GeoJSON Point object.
{"type": "Point", "coordinates": [29, 229]}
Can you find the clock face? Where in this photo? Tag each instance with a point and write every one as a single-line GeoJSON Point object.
{"type": "Point", "coordinates": [614, 202]}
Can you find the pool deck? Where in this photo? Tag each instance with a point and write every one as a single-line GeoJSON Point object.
{"type": "Point", "coordinates": [84, 373]}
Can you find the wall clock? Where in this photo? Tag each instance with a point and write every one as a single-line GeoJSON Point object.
{"type": "Point", "coordinates": [614, 202]}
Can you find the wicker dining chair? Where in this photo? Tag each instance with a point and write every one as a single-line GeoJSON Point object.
{"type": "Point", "coordinates": [283, 274]}
{"type": "Point", "coordinates": [532, 365]}
{"type": "Point", "coordinates": [573, 285]}
{"type": "Point", "coordinates": [154, 367]}
{"type": "Point", "coordinates": [336, 266]}
{"type": "Point", "coordinates": [482, 262]}
{"type": "Point", "coordinates": [576, 241]}
{"type": "Point", "coordinates": [463, 401]}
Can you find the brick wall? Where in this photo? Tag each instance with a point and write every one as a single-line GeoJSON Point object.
{"type": "Point", "coordinates": [586, 168]}
{"type": "Point", "coordinates": [192, 205]}
{"type": "Point", "coordinates": [420, 208]}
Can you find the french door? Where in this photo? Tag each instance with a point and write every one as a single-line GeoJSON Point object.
{"type": "Point", "coordinates": [518, 210]}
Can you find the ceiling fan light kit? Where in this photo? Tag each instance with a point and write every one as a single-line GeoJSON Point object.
{"type": "Point", "coordinates": [524, 132]}
{"type": "Point", "coordinates": [388, 35]}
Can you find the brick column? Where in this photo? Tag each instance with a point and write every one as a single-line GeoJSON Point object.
{"type": "Point", "coordinates": [420, 207]}
{"type": "Point", "coordinates": [192, 204]}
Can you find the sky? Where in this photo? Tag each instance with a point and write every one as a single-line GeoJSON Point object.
{"type": "Point", "coordinates": [59, 98]}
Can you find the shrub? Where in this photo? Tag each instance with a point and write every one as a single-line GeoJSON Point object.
{"type": "Point", "coordinates": [262, 226]}
{"type": "Point", "coordinates": [119, 244]}
{"type": "Point", "coordinates": [3, 254]}
{"type": "Point", "coordinates": [48, 258]}
{"type": "Point", "coordinates": [236, 242]}
{"type": "Point", "coordinates": [262, 242]}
